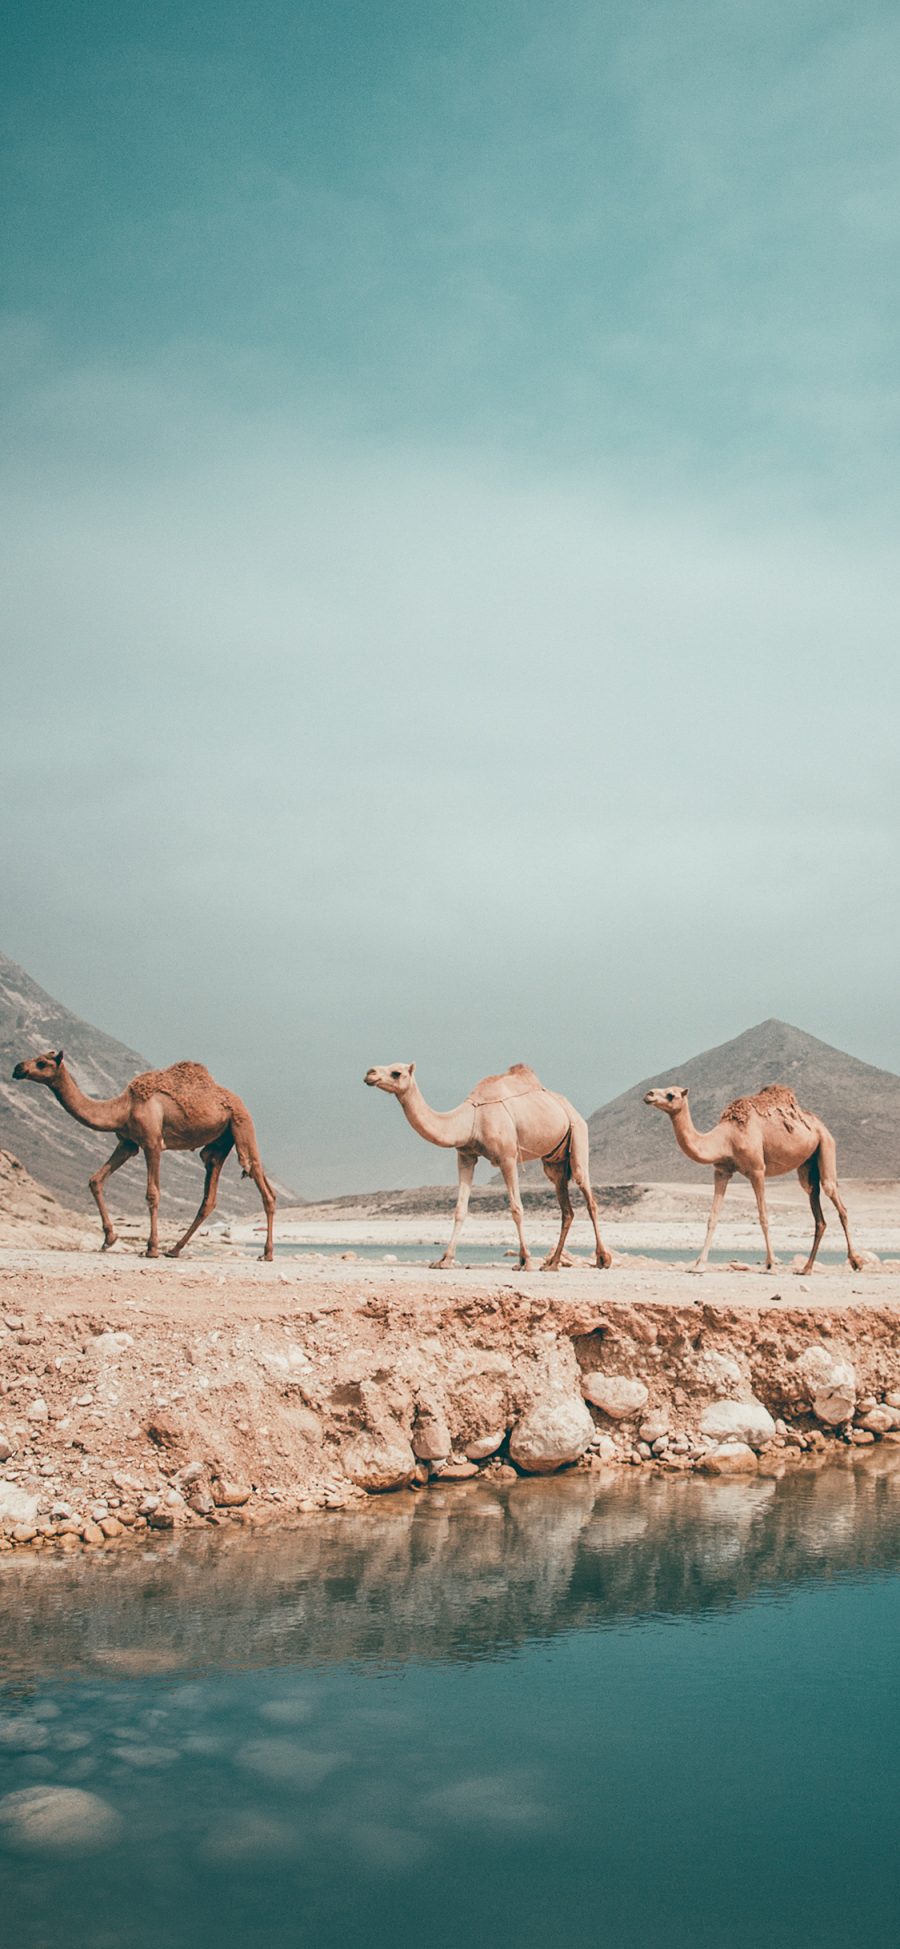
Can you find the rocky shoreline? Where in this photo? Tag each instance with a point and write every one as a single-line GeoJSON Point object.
{"type": "Point", "coordinates": [135, 1400]}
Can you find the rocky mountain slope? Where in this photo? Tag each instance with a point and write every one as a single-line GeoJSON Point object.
{"type": "Point", "coordinates": [32, 1215]}
{"type": "Point", "coordinates": [859, 1103]}
{"type": "Point", "coordinates": [60, 1153]}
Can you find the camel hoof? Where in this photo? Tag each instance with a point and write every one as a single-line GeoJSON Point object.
{"type": "Point", "coordinates": [108, 1242]}
{"type": "Point", "coordinates": [152, 1252]}
{"type": "Point", "coordinates": [551, 1265]}
{"type": "Point", "coordinates": [603, 1264]}
{"type": "Point", "coordinates": [174, 1252]}
{"type": "Point", "coordinates": [441, 1265]}
{"type": "Point", "coordinates": [802, 1271]}
{"type": "Point", "coordinates": [266, 1258]}
{"type": "Point", "coordinates": [858, 1265]}
{"type": "Point", "coordinates": [698, 1269]}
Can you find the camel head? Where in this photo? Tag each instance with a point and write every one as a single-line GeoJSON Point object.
{"type": "Point", "coordinates": [395, 1077]}
{"type": "Point", "coordinates": [41, 1069]}
{"type": "Point", "coordinates": [668, 1100]}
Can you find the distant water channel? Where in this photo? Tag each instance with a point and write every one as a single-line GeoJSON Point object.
{"type": "Point", "coordinates": [573, 1713]}
{"type": "Point", "coordinates": [480, 1255]}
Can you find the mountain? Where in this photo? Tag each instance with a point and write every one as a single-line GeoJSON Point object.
{"type": "Point", "coordinates": [860, 1104]}
{"type": "Point", "coordinates": [61, 1153]}
{"type": "Point", "coordinates": [29, 1214]}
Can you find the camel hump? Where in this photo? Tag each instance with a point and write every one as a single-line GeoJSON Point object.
{"type": "Point", "coordinates": [518, 1080]}
{"type": "Point", "coordinates": [776, 1100]}
{"type": "Point", "coordinates": [181, 1076]}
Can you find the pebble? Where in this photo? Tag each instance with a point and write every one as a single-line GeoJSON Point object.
{"type": "Point", "coordinates": [92, 1533]}
{"type": "Point", "coordinates": [6, 1448]}
{"type": "Point", "coordinates": [37, 1409]}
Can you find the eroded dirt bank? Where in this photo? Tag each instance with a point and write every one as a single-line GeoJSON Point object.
{"type": "Point", "coordinates": [211, 1393]}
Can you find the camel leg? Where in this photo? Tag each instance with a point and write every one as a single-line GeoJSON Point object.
{"type": "Point", "coordinates": [809, 1178]}
{"type": "Point", "coordinates": [758, 1182]}
{"type": "Point", "coordinates": [466, 1162]}
{"type": "Point", "coordinates": [213, 1156]}
{"type": "Point", "coordinates": [828, 1176]}
{"type": "Point", "coordinates": [510, 1171]}
{"type": "Point", "coordinates": [580, 1163]}
{"type": "Point", "coordinates": [152, 1156]}
{"type": "Point", "coordinates": [250, 1162]}
{"type": "Point", "coordinates": [559, 1178]}
{"type": "Point", "coordinates": [722, 1181]}
{"type": "Point", "coordinates": [123, 1151]}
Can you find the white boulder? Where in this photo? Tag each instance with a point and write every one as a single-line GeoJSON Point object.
{"type": "Point", "coordinates": [555, 1431]}
{"type": "Point", "coordinates": [16, 1505]}
{"type": "Point", "coordinates": [746, 1421]}
{"type": "Point", "coordinates": [617, 1395]}
{"type": "Point", "coordinates": [484, 1445]}
{"type": "Point", "coordinates": [828, 1381]}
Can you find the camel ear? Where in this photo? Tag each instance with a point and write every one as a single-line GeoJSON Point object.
{"type": "Point", "coordinates": [412, 1068]}
{"type": "Point", "coordinates": [59, 1057]}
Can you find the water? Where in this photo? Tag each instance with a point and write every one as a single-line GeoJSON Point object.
{"type": "Point", "coordinates": [480, 1255]}
{"type": "Point", "coordinates": [655, 1712]}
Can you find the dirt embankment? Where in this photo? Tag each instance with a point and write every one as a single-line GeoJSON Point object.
{"type": "Point", "coordinates": [168, 1395]}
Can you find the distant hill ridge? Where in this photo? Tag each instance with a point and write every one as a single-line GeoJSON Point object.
{"type": "Point", "coordinates": [859, 1103]}
{"type": "Point", "coordinates": [61, 1153]}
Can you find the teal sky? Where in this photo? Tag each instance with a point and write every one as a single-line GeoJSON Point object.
{"type": "Point", "coordinates": [449, 509]}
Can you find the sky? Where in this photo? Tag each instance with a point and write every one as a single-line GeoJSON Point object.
{"type": "Point", "coordinates": [449, 533]}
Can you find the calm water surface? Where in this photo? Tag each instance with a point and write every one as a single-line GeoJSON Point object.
{"type": "Point", "coordinates": [575, 1713]}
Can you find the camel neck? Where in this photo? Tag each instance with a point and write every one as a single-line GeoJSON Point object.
{"type": "Point", "coordinates": [448, 1128]}
{"type": "Point", "coordinates": [98, 1113]}
{"type": "Point", "coordinates": [701, 1145]}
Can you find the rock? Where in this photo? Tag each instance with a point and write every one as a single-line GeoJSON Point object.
{"type": "Point", "coordinates": [37, 1409]}
{"type": "Point", "coordinates": [184, 1478]}
{"type": "Point", "coordinates": [828, 1381]}
{"type": "Point", "coordinates": [729, 1458]}
{"type": "Point", "coordinates": [484, 1445]}
{"type": "Point", "coordinates": [92, 1533]}
{"type": "Point", "coordinates": [23, 1533]}
{"type": "Point", "coordinates": [617, 1395]}
{"type": "Point", "coordinates": [58, 1820]}
{"type": "Point", "coordinates": [230, 1495]}
{"type": "Point", "coordinates": [860, 1437]}
{"type": "Point", "coordinates": [880, 1420]}
{"type": "Point", "coordinates": [431, 1439]}
{"type": "Point", "coordinates": [162, 1518]}
{"type": "Point", "coordinates": [16, 1505]}
{"type": "Point", "coordinates": [456, 1469]}
{"type": "Point", "coordinates": [655, 1426]}
{"type": "Point", "coordinates": [719, 1372]}
{"type": "Point", "coordinates": [554, 1432]}
{"type": "Point", "coordinates": [6, 1448]}
{"type": "Point", "coordinates": [744, 1421]}
{"type": "Point", "coordinates": [379, 1462]}
{"type": "Point", "coordinates": [892, 1398]}
{"type": "Point", "coordinates": [14, 1322]}
{"type": "Point", "coordinates": [111, 1526]}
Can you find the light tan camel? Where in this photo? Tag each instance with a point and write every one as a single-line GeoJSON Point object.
{"type": "Point", "coordinates": [181, 1108]}
{"type": "Point", "coordinates": [762, 1136]}
{"type": "Point", "coordinates": [506, 1119]}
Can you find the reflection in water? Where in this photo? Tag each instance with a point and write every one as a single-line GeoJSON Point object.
{"type": "Point", "coordinates": [538, 1713]}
